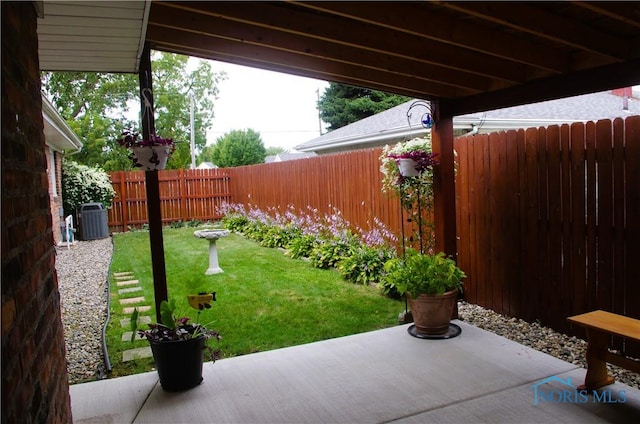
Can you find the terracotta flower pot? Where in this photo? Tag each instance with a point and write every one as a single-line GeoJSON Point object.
{"type": "Point", "coordinates": [432, 313]}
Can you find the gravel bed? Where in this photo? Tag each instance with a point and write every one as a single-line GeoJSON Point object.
{"type": "Point", "coordinates": [83, 273]}
{"type": "Point", "coordinates": [83, 282]}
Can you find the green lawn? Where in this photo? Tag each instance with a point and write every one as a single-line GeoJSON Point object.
{"type": "Point", "coordinates": [266, 300]}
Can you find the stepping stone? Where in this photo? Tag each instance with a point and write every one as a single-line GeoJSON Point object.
{"type": "Point", "coordinates": [127, 283]}
{"type": "Point", "coordinates": [126, 322]}
{"type": "Point", "coordinates": [126, 336]}
{"type": "Point", "coordinates": [139, 353]}
{"type": "Point", "coordinates": [140, 309]}
{"type": "Point", "coordinates": [129, 290]}
{"type": "Point", "coordinates": [130, 300]}
{"type": "Point", "coordinates": [122, 274]}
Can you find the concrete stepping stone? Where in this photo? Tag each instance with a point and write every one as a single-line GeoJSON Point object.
{"type": "Point", "coordinates": [129, 310]}
{"type": "Point", "coordinates": [138, 353]}
{"type": "Point", "coordinates": [126, 322]}
{"type": "Point", "coordinates": [129, 290]}
{"type": "Point", "coordinates": [122, 274]}
{"type": "Point", "coordinates": [126, 336]}
{"type": "Point", "coordinates": [127, 283]}
{"type": "Point", "coordinates": [131, 300]}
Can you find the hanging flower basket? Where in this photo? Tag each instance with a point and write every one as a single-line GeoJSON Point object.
{"type": "Point", "coordinates": [151, 154]}
{"type": "Point", "coordinates": [151, 158]}
{"type": "Point", "coordinates": [408, 167]}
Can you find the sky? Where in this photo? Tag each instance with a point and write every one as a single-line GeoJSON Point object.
{"type": "Point", "coordinates": [281, 107]}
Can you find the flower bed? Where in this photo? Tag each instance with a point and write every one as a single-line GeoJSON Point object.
{"type": "Point", "coordinates": [327, 241]}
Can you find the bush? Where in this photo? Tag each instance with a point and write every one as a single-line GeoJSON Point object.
{"type": "Point", "coordinates": [83, 184]}
{"type": "Point", "coordinates": [302, 246]}
{"type": "Point", "coordinates": [327, 253]}
{"type": "Point", "coordinates": [365, 265]}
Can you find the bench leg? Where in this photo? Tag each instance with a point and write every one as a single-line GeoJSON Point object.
{"type": "Point", "coordinates": [597, 375]}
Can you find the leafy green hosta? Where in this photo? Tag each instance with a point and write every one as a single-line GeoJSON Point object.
{"type": "Point", "coordinates": [365, 265]}
{"type": "Point", "coordinates": [302, 246]}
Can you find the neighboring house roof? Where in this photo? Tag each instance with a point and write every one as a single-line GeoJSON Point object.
{"type": "Point", "coordinates": [57, 133]}
{"type": "Point", "coordinates": [392, 125]}
{"type": "Point", "coordinates": [207, 165]}
{"type": "Point", "coordinates": [283, 157]}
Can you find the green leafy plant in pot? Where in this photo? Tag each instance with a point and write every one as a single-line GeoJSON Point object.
{"type": "Point", "coordinates": [178, 345]}
{"type": "Point", "coordinates": [431, 283]}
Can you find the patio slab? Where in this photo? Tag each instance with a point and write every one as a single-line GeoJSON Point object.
{"type": "Point", "coordinates": [381, 376]}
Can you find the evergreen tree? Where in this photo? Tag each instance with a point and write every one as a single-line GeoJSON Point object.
{"type": "Point", "coordinates": [342, 104]}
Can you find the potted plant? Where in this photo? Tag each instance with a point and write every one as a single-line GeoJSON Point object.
{"type": "Point", "coordinates": [151, 154]}
{"type": "Point", "coordinates": [178, 345]}
{"type": "Point", "coordinates": [431, 283]}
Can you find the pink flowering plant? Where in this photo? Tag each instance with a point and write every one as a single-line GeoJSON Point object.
{"type": "Point", "coordinates": [415, 192]}
{"type": "Point", "coordinates": [152, 157]}
{"type": "Point", "coordinates": [131, 139]}
{"type": "Point", "coordinates": [327, 240]}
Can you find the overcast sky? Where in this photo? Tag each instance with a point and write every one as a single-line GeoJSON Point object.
{"type": "Point", "coordinates": [281, 107]}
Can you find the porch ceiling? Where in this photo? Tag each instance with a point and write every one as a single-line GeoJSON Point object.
{"type": "Point", "coordinates": [476, 55]}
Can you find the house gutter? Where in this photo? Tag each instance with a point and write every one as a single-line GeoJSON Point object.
{"type": "Point", "coordinates": [57, 132]}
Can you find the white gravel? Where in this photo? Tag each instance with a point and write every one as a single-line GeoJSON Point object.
{"type": "Point", "coordinates": [83, 273]}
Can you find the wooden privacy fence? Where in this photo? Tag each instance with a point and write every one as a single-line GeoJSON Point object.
{"type": "Point", "coordinates": [185, 195]}
{"type": "Point", "coordinates": [349, 182]}
{"type": "Point", "coordinates": [548, 219]}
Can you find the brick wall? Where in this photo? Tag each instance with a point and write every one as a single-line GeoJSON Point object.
{"type": "Point", "coordinates": [34, 377]}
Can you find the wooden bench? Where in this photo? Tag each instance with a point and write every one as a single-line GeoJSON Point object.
{"type": "Point", "coordinates": [600, 326]}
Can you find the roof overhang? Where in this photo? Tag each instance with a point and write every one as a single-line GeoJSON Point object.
{"type": "Point", "coordinates": [58, 135]}
{"type": "Point", "coordinates": [100, 36]}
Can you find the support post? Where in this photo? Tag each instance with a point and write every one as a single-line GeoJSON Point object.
{"type": "Point", "coordinates": [444, 188]}
{"type": "Point", "coordinates": [152, 187]}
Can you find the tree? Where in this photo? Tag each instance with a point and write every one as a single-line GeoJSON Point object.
{"type": "Point", "coordinates": [96, 106]}
{"type": "Point", "coordinates": [236, 148]}
{"type": "Point", "coordinates": [342, 104]}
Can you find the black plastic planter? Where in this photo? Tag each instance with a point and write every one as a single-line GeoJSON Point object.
{"type": "Point", "coordinates": [179, 363]}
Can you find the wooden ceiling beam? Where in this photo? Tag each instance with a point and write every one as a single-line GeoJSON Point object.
{"type": "Point", "coordinates": [533, 20]}
{"type": "Point", "coordinates": [625, 12]}
{"type": "Point", "coordinates": [211, 26]}
{"type": "Point", "coordinates": [215, 48]}
{"type": "Point", "coordinates": [576, 83]}
{"type": "Point", "coordinates": [424, 20]}
{"type": "Point", "coordinates": [467, 66]}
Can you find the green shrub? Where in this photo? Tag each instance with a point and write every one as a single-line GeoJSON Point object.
{"type": "Point", "coordinates": [365, 265]}
{"type": "Point", "coordinates": [233, 222]}
{"type": "Point", "coordinates": [327, 253]}
{"type": "Point", "coordinates": [301, 246]}
{"type": "Point", "coordinates": [83, 184]}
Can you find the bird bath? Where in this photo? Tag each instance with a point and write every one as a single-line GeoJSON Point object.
{"type": "Point", "coordinates": [212, 236]}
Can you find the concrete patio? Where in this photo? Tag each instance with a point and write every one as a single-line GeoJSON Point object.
{"type": "Point", "coordinates": [376, 377]}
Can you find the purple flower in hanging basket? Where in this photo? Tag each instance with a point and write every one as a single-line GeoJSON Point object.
{"type": "Point", "coordinates": [424, 160]}
{"type": "Point", "coordinates": [132, 139]}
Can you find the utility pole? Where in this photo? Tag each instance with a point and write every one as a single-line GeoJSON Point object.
{"type": "Point", "coordinates": [193, 131]}
{"type": "Point", "coordinates": [318, 107]}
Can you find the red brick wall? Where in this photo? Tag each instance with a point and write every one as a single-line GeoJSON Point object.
{"type": "Point", "coordinates": [34, 377]}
